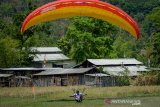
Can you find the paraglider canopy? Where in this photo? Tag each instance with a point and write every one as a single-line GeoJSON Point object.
{"type": "Point", "coordinates": [92, 8]}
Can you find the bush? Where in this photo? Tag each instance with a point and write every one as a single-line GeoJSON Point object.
{"type": "Point", "coordinates": [146, 79]}
{"type": "Point", "coordinates": [124, 79]}
{"type": "Point", "coordinates": [158, 78]}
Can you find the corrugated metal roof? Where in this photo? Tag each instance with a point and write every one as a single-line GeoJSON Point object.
{"type": "Point", "coordinates": [113, 69]}
{"type": "Point", "coordinates": [98, 75]}
{"type": "Point", "coordinates": [45, 49]}
{"type": "Point", "coordinates": [137, 68]}
{"type": "Point", "coordinates": [123, 61]}
{"type": "Point", "coordinates": [154, 69]}
{"type": "Point", "coordinates": [27, 69]}
{"type": "Point", "coordinates": [64, 71]}
{"type": "Point", "coordinates": [50, 57]}
{"type": "Point", "coordinates": [5, 75]}
{"type": "Point", "coordinates": [120, 73]}
{"type": "Point", "coordinates": [22, 77]}
{"type": "Point", "coordinates": [131, 73]}
{"type": "Point", "coordinates": [130, 68]}
{"type": "Point", "coordinates": [133, 70]}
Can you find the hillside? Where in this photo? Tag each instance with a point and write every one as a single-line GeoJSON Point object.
{"type": "Point", "coordinates": [56, 33]}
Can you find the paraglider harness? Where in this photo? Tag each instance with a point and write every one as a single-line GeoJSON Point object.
{"type": "Point", "coordinates": [78, 96]}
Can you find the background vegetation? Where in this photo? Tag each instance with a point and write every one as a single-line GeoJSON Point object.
{"type": "Point", "coordinates": [79, 37]}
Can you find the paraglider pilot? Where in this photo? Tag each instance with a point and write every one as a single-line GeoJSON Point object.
{"type": "Point", "coordinates": [78, 96]}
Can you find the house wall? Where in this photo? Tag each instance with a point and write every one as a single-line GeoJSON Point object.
{"type": "Point", "coordinates": [14, 82]}
{"type": "Point", "coordinates": [58, 80]}
{"type": "Point", "coordinates": [60, 64]}
{"type": "Point", "coordinates": [4, 82]}
{"type": "Point", "coordinates": [20, 82]}
{"type": "Point", "coordinates": [101, 81]}
{"type": "Point", "coordinates": [43, 81]}
{"type": "Point", "coordinates": [48, 65]}
{"type": "Point", "coordinates": [75, 79]}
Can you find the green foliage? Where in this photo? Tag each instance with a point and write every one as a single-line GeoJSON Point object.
{"type": "Point", "coordinates": [146, 13]}
{"type": "Point", "coordinates": [133, 7]}
{"type": "Point", "coordinates": [64, 44]}
{"type": "Point", "coordinates": [158, 78]}
{"type": "Point", "coordinates": [84, 37]}
{"type": "Point", "coordinates": [125, 46]}
{"type": "Point", "coordinates": [10, 24]}
{"type": "Point", "coordinates": [154, 17]}
{"type": "Point", "coordinates": [9, 54]}
{"type": "Point", "coordinates": [156, 49]}
{"type": "Point", "coordinates": [124, 79]}
{"type": "Point", "coordinates": [153, 29]}
{"type": "Point", "coordinates": [87, 38]}
{"type": "Point", "coordinates": [5, 8]}
{"type": "Point", "coordinates": [151, 23]}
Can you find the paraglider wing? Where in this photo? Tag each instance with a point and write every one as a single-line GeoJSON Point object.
{"type": "Point", "coordinates": [91, 8]}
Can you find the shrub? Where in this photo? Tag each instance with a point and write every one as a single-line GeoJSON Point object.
{"type": "Point", "coordinates": [124, 79]}
{"type": "Point", "coordinates": [146, 79]}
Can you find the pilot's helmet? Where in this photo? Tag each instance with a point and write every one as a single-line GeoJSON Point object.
{"type": "Point", "coordinates": [77, 91]}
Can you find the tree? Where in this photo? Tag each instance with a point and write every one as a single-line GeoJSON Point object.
{"type": "Point", "coordinates": [9, 53]}
{"type": "Point", "coordinates": [153, 20]}
{"type": "Point", "coordinates": [12, 42]}
{"type": "Point", "coordinates": [98, 39]}
{"type": "Point", "coordinates": [151, 23]}
{"type": "Point", "coordinates": [156, 50]}
{"type": "Point", "coordinates": [87, 38]}
{"type": "Point", "coordinates": [125, 46]}
{"type": "Point", "coordinates": [124, 78]}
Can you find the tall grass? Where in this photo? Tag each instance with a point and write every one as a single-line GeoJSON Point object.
{"type": "Point", "coordinates": [92, 92]}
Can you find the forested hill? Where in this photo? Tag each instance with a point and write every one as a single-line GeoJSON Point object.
{"type": "Point", "coordinates": [102, 40]}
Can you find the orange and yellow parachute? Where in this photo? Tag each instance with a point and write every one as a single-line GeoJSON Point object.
{"type": "Point", "coordinates": [92, 8]}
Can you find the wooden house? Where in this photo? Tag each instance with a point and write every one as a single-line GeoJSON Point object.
{"type": "Point", "coordinates": [21, 71]}
{"type": "Point", "coordinates": [5, 80]}
{"type": "Point", "coordinates": [115, 68]}
{"type": "Point", "coordinates": [94, 72]}
{"type": "Point", "coordinates": [97, 79]}
{"type": "Point", "coordinates": [64, 77]}
{"type": "Point", "coordinates": [21, 81]}
{"type": "Point", "coordinates": [16, 77]}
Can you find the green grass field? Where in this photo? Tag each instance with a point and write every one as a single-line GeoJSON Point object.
{"type": "Point", "coordinates": [149, 96]}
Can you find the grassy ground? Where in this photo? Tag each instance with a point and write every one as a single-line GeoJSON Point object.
{"type": "Point", "coordinates": [59, 96]}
